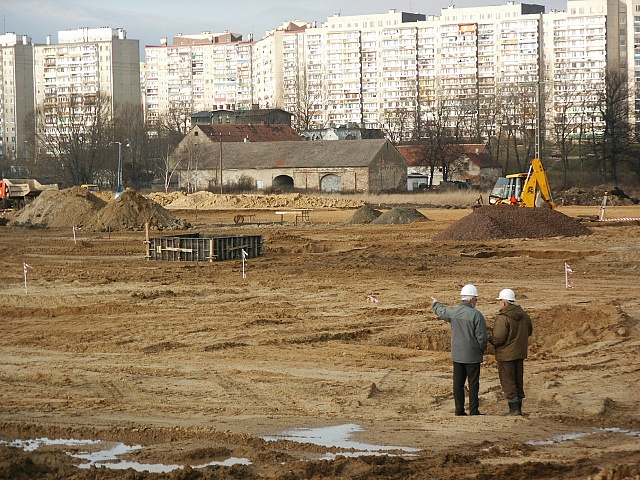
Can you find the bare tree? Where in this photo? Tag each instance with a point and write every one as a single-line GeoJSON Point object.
{"type": "Point", "coordinates": [130, 129]}
{"type": "Point", "coordinates": [73, 136]}
{"type": "Point", "coordinates": [167, 168]}
{"type": "Point", "coordinates": [441, 145]}
{"type": "Point", "coordinates": [571, 104]}
{"type": "Point", "coordinates": [613, 145]}
{"type": "Point", "coordinates": [302, 104]}
{"type": "Point", "coordinates": [178, 118]}
{"type": "Point", "coordinates": [396, 124]}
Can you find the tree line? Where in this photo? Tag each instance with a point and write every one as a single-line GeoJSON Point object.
{"type": "Point", "coordinates": [588, 134]}
{"type": "Point", "coordinates": [82, 141]}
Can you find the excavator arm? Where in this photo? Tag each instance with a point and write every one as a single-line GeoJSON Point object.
{"type": "Point", "coordinates": [536, 191]}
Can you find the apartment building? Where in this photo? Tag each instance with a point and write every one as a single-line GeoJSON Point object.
{"type": "Point", "coordinates": [471, 67]}
{"type": "Point", "coordinates": [577, 56]}
{"type": "Point", "coordinates": [198, 72]}
{"type": "Point", "coordinates": [84, 64]}
{"type": "Point", "coordinates": [16, 99]}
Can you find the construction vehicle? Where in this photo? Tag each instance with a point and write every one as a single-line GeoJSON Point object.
{"type": "Point", "coordinates": [529, 189]}
{"type": "Point", "coordinates": [16, 193]}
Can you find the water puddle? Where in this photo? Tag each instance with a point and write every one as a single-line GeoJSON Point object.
{"type": "Point", "coordinates": [108, 457]}
{"type": "Point", "coordinates": [338, 436]}
{"type": "Point", "coordinates": [567, 437]}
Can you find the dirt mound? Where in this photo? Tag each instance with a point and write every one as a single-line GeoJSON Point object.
{"type": "Point", "coordinates": [365, 214]}
{"type": "Point", "coordinates": [165, 199]}
{"type": "Point", "coordinates": [60, 209]}
{"type": "Point", "coordinates": [399, 215]}
{"type": "Point", "coordinates": [594, 196]}
{"type": "Point", "coordinates": [509, 221]}
{"type": "Point", "coordinates": [211, 201]}
{"type": "Point", "coordinates": [130, 211]}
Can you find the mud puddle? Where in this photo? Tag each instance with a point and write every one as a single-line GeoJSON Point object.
{"type": "Point", "coordinates": [107, 457]}
{"type": "Point", "coordinates": [338, 436]}
{"type": "Point", "coordinates": [567, 437]}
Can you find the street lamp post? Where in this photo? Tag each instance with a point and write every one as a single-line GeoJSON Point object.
{"type": "Point", "coordinates": [119, 173]}
{"type": "Point", "coordinates": [26, 154]}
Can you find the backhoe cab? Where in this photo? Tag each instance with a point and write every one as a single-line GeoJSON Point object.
{"type": "Point", "coordinates": [529, 189]}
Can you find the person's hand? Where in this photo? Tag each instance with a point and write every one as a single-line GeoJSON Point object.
{"type": "Point", "coordinates": [433, 300]}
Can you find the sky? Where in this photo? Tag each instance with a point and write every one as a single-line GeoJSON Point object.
{"type": "Point", "coordinates": [150, 20]}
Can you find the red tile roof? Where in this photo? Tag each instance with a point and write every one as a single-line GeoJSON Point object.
{"type": "Point", "coordinates": [476, 153]}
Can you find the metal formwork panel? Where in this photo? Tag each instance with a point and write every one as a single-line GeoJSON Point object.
{"type": "Point", "coordinates": [204, 248]}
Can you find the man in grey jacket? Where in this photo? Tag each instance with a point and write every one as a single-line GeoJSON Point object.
{"type": "Point", "coordinates": [510, 338]}
{"type": "Point", "coordinates": [468, 343]}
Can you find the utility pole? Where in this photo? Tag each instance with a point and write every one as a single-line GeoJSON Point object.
{"type": "Point", "coordinates": [119, 172]}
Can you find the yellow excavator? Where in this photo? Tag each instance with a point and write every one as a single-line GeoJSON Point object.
{"type": "Point", "coordinates": [529, 189]}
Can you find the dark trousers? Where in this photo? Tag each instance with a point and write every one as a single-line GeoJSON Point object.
{"type": "Point", "coordinates": [511, 376]}
{"type": "Point", "coordinates": [462, 372]}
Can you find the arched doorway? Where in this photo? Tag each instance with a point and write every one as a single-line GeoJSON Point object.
{"type": "Point", "coordinates": [331, 183]}
{"type": "Point", "coordinates": [283, 181]}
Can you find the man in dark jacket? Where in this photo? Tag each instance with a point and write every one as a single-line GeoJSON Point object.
{"type": "Point", "coordinates": [468, 343]}
{"type": "Point", "coordinates": [510, 338]}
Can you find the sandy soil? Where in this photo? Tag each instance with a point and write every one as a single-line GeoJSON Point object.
{"type": "Point", "coordinates": [196, 363]}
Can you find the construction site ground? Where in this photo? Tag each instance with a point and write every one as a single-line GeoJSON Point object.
{"type": "Point", "coordinates": [332, 326]}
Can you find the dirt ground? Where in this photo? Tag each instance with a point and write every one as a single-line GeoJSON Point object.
{"type": "Point", "coordinates": [196, 363]}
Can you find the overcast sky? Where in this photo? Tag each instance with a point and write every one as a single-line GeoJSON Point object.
{"type": "Point", "coordinates": [150, 20]}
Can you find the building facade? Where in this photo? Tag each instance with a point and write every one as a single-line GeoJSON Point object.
{"type": "Point", "coordinates": [358, 166]}
{"type": "Point", "coordinates": [478, 68]}
{"type": "Point", "coordinates": [197, 73]}
{"type": "Point", "coordinates": [84, 65]}
{"type": "Point", "coordinates": [16, 102]}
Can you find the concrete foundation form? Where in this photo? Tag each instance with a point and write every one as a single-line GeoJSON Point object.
{"type": "Point", "coordinates": [202, 247]}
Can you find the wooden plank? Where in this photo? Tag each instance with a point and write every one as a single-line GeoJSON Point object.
{"type": "Point", "coordinates": [175, 249]}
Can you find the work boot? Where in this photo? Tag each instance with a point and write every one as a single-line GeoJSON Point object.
{"type": "Point", "coordinates": [514, 408]}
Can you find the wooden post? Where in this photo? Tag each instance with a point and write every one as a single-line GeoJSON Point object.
{"type": "Point", "coordinates": [147, 241]}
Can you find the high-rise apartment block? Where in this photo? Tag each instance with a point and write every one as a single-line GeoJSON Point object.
{"type": "Point", "coordinates": [399, 70]}
{"type": "Point", "coordinates": [197, 73]}
{"type": "Point", "coordinates": [16, 96]}
{"type": "Point", "coordinates": [473, 68]}
{"type": "Point", "coordinates": [84, 64]}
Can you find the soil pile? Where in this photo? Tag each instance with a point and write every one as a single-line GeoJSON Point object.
{"type": "Point", "coordinates": [510, 221]}
{"type": "Point", "coordinates": [594, 196]}
{"type": "Point", "coordinates": [398, 216]}
{"type": "Point", "coordinates": [60, 209]}
{"type": "Point", "coordinates": [130, 211]}
{"type": "Point", "coordinates": [365, 214]}
{"type": "Point", "coordinates": [210, 201]}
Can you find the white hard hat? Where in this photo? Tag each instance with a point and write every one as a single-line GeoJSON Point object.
{"type": "Point", "coordinates": [469, 291]}
{"type": "Point", "coordinates": [507, 294]}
